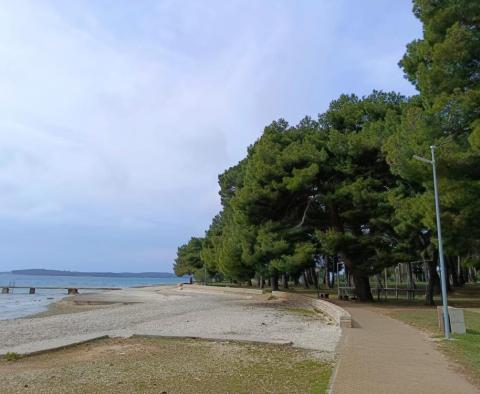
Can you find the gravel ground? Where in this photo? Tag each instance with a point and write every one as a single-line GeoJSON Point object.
{"type": "Point", "coordinates": [171, 312]}
{"type": "Point", "coordinates": [163, 365]}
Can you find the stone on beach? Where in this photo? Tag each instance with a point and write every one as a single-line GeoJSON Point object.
{"type": "Point", "coordinates": [164, 310]}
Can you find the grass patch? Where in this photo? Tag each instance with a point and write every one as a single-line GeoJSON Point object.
{"type": "Point", "coordinates": [424, 319]}
{"type": "Point", "coordinates": [157, 365]}
{"type": "Point", "coordinates": [467, 347]}
{"type": "Point", "coordinates": [12, 356]}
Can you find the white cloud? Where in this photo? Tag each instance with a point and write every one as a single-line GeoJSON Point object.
{"type": "Point", "coordinates": [124, 116]}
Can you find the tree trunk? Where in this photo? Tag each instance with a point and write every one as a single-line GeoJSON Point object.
{"type": "Point", "coordinates": [331, 279]}
{"type": "Point", "coordinates": [313, 274]}
{"type": "Point", "coordinates": [274, 282]}
{"type": "Point", "coordinates": [285, 280]}
{"type": "Point", "coordinates": [469, 275]}
{"type": "Point", "coordinates": [433, 281]}
{"type": "Point", "coordinates": [308, 276]}
{"type": "Point", "coordinates": [362, 286]}
{"type": "Point", "coordinates": [295, 280]}
{"type": "Point", "coordinates": [472, 275]}
{"type": "Point", "coordinates": [448, 273]}
{"type": "Point", "coordinates": [305, 281]}
{"type": "Point", "coordinates": [461, 276]}
{"type": "Point", "coordinates": [410, 276]}
{"type": "Point", "coordinates": [453, 271]}
{"type": "Point", "coordinates": [360, 280]}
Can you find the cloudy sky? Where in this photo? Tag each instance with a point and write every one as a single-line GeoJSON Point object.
{"type": "Point", "coordinates": [117, 116]}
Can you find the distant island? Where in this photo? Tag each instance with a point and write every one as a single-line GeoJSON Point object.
{"type": "Point", "coordinates": [45, 272]}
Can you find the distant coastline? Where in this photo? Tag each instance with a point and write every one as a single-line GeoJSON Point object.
{"type": "Point", "coordinates": [47, 272]}
{"type": "Point", "coordinates": [50, 287]}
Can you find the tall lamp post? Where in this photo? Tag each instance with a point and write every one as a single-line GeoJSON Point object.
{"type": "Point", "coordinates": [443, 276]}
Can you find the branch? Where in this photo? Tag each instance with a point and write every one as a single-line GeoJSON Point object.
{"type": "Point", "coordinates": [304, 216]}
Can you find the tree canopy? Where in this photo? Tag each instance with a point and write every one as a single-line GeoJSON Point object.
{"type": "Point", "coordinates": [346, 186]}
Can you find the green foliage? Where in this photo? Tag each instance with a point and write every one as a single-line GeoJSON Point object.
{"type": "Point", "coordinates": [299, 184]}
{"type": "Point", "coordinates": [12, 356]}
{"type": "Point", "coordinates": [444, 65]}
{"type": "Point", "coordinates": [347, 184]}
{"type": "Point", "coordinates": [188, 257]}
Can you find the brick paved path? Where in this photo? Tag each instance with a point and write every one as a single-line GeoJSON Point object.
{"type": "Point", "coordinates": [383, 355]}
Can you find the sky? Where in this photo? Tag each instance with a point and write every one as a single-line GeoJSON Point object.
{"type": "Point", "coordinates": [116, 117]}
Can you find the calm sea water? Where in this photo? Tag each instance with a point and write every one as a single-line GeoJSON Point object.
{"type": "Point", "coordinates": [20, 303]}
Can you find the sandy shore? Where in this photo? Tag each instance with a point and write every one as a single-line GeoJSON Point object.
{"type": "Point", "coordinates": [167, 311]}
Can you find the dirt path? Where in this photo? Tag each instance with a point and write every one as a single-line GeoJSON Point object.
{"type": "Point", "coordinates": [383, 355]}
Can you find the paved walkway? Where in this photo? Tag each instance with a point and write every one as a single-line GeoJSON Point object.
{"type": "Point", "coordinates": [383, 355]}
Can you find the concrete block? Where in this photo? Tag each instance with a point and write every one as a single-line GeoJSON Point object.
{"type": "Point", "coordinates": [457, 320]}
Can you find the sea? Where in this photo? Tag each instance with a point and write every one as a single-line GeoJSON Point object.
{"type": "Point", "coordinates": [20, 303]}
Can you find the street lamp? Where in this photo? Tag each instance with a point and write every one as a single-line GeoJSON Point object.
{"type": "Point", "coordinates": [443, 276]}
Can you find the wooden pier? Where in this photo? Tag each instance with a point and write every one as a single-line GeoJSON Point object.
{"type": "Point", "coordinates": [71, 290]}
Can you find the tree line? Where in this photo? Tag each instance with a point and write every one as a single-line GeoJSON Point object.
{"type": "Point", "coordinates": [345, 186]}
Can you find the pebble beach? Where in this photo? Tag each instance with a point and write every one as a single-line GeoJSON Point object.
{"type": "Point", "coordinates": [168, 311]}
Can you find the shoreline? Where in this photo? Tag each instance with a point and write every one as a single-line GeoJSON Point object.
{"type": "Point", "coordinates": [53, 304]}
{"type": "Point", "coordinates": [72, 304]}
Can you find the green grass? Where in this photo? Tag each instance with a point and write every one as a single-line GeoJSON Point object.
{"type": "Point", "coordinates": [467, 346]}
{"type": "Point", "coordinates": [424, 318]}
{"type": "Point", "coordinates": [12, 356]}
